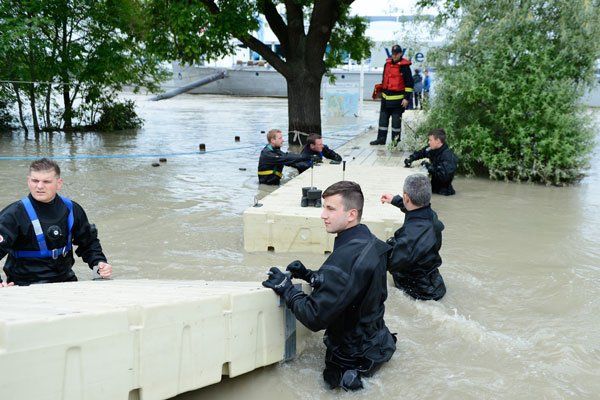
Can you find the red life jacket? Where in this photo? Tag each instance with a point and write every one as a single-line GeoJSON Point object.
{"type": "Point", "coordinates": [392, 76]}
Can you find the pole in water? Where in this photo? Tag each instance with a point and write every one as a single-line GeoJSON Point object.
{"type": "Point", "coordinates": [343, 170]}
{"type": "Point", "coordinates": [202, 147]}
{"type": "Point", "coordinates": [237, 138]}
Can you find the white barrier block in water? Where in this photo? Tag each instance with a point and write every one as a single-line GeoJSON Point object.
{"type": "Point", "coordinates": [282, 225]}
{"type": "Point", "coordinates": [137, 339]}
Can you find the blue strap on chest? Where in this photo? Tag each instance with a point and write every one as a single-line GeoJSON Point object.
{"type": "Point", "coordinates": [43, 251]}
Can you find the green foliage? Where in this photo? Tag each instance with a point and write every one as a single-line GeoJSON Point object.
{"type": "Point", "coordinates": [6, 119]}
{"type": "Point", "coordinates": [348, 38]}
{"type": "Point", "coordinates": [508, 86]}
{"type": "Point", "coordinates": [83, 48]}
{"type": "Point", "coordinates": [188, 31]}
{"type": "Point", "coordinates": [116, 116]}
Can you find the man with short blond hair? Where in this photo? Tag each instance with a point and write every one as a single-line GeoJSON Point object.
{"type": "Point", "coordinates": [348, 294]}
{"type": "Point", "coordinates": [272, 159]}
{"type": "Point", "coordinates": [39, 231]}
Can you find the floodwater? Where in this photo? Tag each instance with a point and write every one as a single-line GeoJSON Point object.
{"type": "Point", "coordinates": [521, 317]}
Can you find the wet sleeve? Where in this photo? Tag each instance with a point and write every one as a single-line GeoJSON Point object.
{"type": "Point", "coordinates": [290, 159]}
{"type": "Point", "coordinates": [85, 237]}
{"type": "Point", "coordinates": [401, 257]}
{"type": "Point", "coordinates": [445, 170]}
{"type": "Point", "coordinates": [419, 154]}
{"type": "Point", "coordinates": [397, 201]}
{"type": "Point", "coordinates": [330, 154]}
{"type": "Point", "coordinates": [9, 229]}
{"type": "Point", "coordinates": [318, 310]}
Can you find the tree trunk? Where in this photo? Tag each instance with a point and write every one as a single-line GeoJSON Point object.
{"type": "Point", "coordinates": [304, 107]}
{"type": "Point", "coordinates": [20, 103]}
{"type": "Point", "coordinates": [68, 114]}
{"type": "Point", "coordinates": [34, 117]}
{"type": "Point", "coordinates": [48, 105]}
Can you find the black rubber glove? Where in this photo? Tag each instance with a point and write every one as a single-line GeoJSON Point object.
{"type": "Point", "coordinates": [278, 281]}
{"type": "Point", "coordinates": [316, 159]}
{"type": "Point", "coordinates": [391, 241]}
{"type": "Point", "coordinates": [299, 271]}
{"type": "Point", "coordinates": [407, 162]}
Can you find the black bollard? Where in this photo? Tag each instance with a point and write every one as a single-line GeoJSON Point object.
{"type": "Point", "coordinates": [202, 147]}
{"type": "Point", "coordinates": [262, 131]}
{"type": "Point", "coordinates": [237, 138]}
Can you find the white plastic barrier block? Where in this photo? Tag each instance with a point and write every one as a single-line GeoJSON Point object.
{"type": "Point", "coordinates": [136, 339]}
{"type": "Point", "coordinates": [282, 225]}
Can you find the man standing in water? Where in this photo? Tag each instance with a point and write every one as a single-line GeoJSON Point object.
{"type": "Point", "coordinates": [38, 233]}
{"type": "Point", "coordinates": [443, 162]}
{"type": "Point", "coordinates": [272, 159]}
{"type": "Point", "coordinates": [348, 292]}
{"type": "Point", "coordinates": [415, 258]}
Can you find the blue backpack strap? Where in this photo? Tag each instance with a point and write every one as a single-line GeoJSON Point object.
{"type": "Point", "coordinates": [37, 228]}
{"type": "Point", "coordinates": [70, 223]}
{"type": "Point", "coordinates": [43, 251]}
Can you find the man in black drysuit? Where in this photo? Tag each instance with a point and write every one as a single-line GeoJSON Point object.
{"type": "Point", "coordinates": [348, 292]}
{"type": "Point", "coordinates": [272, 159]}
{"type": "Point", "coordinates": [443, 162]}
{"type": "Point", "coordinates": [39, 231]}
{"type": "Point", "coordinates": [315, 148]}
{"type": "Point", "coordinates": [415, 258]}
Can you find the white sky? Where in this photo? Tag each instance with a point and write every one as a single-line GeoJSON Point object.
{"type": "Point", "coordinates": [386, 7]}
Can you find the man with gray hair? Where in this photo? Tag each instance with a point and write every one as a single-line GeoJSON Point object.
{"type": "Point", "coordinates": [415, 258]}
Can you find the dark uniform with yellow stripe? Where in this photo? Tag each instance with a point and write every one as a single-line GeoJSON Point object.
{"type": "Point", "coordinates": [271, 163]}
{"type": "Point", "coordinates": [397, 85]}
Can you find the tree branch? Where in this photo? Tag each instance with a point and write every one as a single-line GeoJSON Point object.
{"type": "Point", "coordinates": [276, 23]}
{"type": "Point", "coordinates": [324, 16]}
{"type": "Point", "coordinates": [265, 51]}
{"type": "Point", "coordinates": [255, 44]}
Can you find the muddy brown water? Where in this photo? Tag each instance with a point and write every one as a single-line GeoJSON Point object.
{"type": "Point", "coordinates": [521, 261]}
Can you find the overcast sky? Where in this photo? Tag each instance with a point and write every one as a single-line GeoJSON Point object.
{"type": "Point", "coordinates": [385, 7]}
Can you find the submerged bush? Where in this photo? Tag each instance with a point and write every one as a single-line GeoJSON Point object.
{"type": "Point", "coordinates": [508, 88]}
{"type": "Point", "coordinates": [6, 119]}
{"type": "Point", "coordinates": [116, 116]}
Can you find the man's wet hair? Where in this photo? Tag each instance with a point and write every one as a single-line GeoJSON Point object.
{"type": "Point", "coordinates": [312, 138]}
{"type": "Point", "coordinates": [271, 134]}
{"type": "Point", "coordinates": [418, 188]}
{"type": "Point", "coordinates": [44, 164]}
{"type": "Point", "coordinates": [352, 195]}
{"type": "Point", "coordinates": [439, 134]}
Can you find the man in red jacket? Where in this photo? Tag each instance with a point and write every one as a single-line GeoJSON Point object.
{"type": "Point", "coordinates": [396, 94]}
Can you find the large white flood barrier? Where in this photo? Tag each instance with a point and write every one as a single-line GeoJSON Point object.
{"type": "Point", "coordinates": [137, 339]}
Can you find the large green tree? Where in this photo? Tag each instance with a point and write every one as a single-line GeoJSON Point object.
{"type": "Point", "coordinates": [314, 35]}
{"type": "Point", "coordinates": [77, 51]}
{"type": "Point", "coordinates": [509, 83]}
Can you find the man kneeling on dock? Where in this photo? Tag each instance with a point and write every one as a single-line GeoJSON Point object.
{"type": "Point", "coordinates": [415, 257]}
{"type": "Point", "coordinates": [348, 292]}
{"type": "Point", "coordinates": [39, 231]}
{"type": "Point", "coordinates": [272, 159]}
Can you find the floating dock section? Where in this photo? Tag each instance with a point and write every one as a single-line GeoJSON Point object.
{"type": "Point", "coordinates": [137, 339]}
{"type": "Point", "coordinates": [278, 223]}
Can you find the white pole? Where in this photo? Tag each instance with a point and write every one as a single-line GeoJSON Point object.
{"type": "Point", "coordinates": [361, 88]}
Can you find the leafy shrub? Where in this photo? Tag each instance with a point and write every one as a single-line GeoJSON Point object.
{"type": "Point", "coordinates": [116, 116]}
{"type": "Point", "coordinates": [509, 85]}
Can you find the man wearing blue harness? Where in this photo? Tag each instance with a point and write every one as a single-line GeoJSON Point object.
{"type": "Point", "coordinates": [38, 233]}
